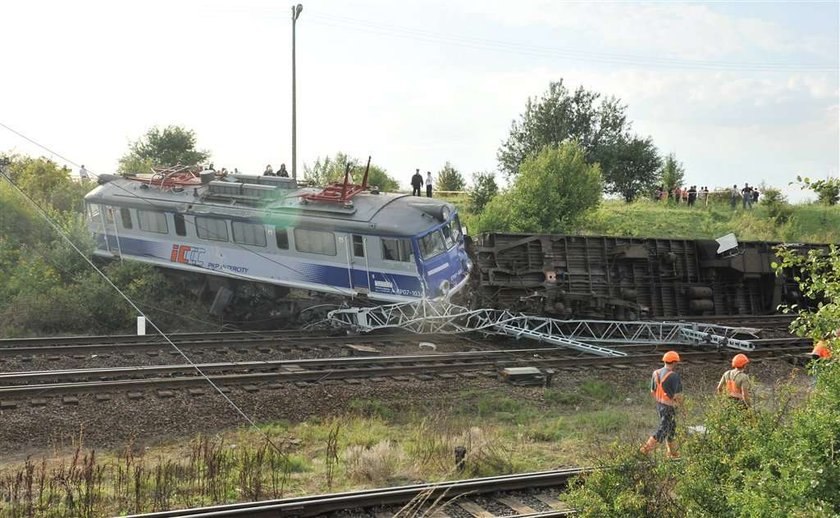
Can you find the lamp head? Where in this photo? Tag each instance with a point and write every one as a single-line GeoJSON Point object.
{"type": "Point", "coordinates": [296, 11]}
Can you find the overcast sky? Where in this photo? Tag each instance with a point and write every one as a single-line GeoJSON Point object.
{"type": "Point", "coordinates": [738, 91]}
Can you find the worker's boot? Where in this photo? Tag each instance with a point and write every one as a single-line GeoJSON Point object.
{"type": "Point", "coordinates": [671, 447]}
{"type": "Point", "coordinates": [649, 446]}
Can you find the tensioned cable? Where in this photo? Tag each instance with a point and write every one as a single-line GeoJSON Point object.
{"type": "Point", "coordinates": [218, 389]}
{"type": "Point", "coordinates": [64, 236]}
{"type": "Point", "coordinates": [567, 53]}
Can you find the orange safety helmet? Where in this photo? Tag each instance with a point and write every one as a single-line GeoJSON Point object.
{"type": "Point", "coordinates": [821, 350]}
{"type": "Point", "coordinates": [671, 357]}
{"type": "Point", "coordinates": [740, 361]}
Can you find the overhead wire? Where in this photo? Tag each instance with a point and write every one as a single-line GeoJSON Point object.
{"type": "Point", "coordinates": [576, 54]}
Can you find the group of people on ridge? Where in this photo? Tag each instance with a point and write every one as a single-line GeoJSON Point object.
{"type": "Point", "coordinates": [417, 183]}
{"type": "Point", "coordinates": [747, 195]}
{"type": "Point", "coordinates": [280, 172]}
{"type": "Point", "coordinates": [680, 194]}
{"type": "Point", "coordinates": [666, 389]}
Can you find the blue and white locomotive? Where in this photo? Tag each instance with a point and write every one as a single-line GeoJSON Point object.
{"type": "Point", "coordinates": [346, 239]}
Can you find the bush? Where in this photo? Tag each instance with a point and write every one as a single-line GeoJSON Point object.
{"type": "Point", "coordinates": [552, 192]}
{"type": "Point", "coordinates": [778, 208]}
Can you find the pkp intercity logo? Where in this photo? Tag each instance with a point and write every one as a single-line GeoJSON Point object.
{"type": "Point", "coordinates": [187, 255]}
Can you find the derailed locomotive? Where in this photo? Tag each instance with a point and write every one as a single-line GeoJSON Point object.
{"type": "Point", "coordinates": [627, 278]}
{"type": "Point", "coordinates": [267, 233]}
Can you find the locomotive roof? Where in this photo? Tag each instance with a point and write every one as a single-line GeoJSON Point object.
{"type": "Point", "coordinates": [387, 213]}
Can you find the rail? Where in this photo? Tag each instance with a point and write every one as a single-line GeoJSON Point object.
{"type": "Point", "coordinates": [433, 493]}
{"type": "Point", "coordinates": [42, 383]}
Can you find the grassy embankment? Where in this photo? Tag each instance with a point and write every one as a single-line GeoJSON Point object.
{"type": "Point", "coordinates": [805, 223]}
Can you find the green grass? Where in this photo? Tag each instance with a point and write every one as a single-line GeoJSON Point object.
{"type": "Point", "coordinates": [809, 223]}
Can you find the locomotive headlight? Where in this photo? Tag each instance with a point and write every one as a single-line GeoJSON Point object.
{"type": "Point", "coordinates": [445, 286]}
{"type": "Point", "coordinates": [445, 213]}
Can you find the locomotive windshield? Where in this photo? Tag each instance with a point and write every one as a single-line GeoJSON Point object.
{"type": "Point", "coordinates": [432, 244]}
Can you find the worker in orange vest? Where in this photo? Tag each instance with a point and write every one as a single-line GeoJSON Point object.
{"type": "Point", "coordinates": [666, 389]}
{"type": "Point", "coordinates": [821, 353]}
{"type": "Point", "coordinates": [735, 383]}
{"type": "Point", "coordinates": [821, 350]}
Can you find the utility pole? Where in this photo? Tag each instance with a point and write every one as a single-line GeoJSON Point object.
{"type": "Point", "coordinates": [296, 9]}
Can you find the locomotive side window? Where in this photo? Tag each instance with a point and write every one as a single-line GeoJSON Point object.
{"type": "Point", "coordinates": [282, 236]}
{"type": "Point", "coordinates": [396, 250]}
{"type": "Point", "coordinates": [152, 221]}
{"type": "Point", "coordinates": [358, 246]}
{"type": "Point", "coordinates": [432, 244]}
{"type": "Point", "coordinates": [447, 235]}
{"type": "Point", "coordinates": [455, 225]}
{"type": "Point", "coordinates": [125, 216]}
{"type": "Point", "coordinates": [315, 241]}
{"type": "Point", "coordinates": [248, 233]}
{"type": "Point", "coordinates": [93, 210]}
{"type": "Point", "coordinates": [180, 225]}
{"type": "Point", "coordinates": [211, 228]}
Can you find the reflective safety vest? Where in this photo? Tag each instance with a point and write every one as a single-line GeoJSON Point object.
{"type": "Point", "coordinates": [658, 392]}
{"type": "Point", "coordinates": [731, 387]}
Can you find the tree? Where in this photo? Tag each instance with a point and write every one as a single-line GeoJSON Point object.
{"type": "Point", "coordinates": [599, 125]}
{"type": "Point", "coordinates": [46, 182]}
{"type": "Point", "coordinates": [173, 145]}
{"type": "Point", "coordinates": [561, 116]}
{"type": "Point", "coordinates": [672, 174]}
{"type": "Point", "coordinates": [553, 190]}
{"type": "Point", "coordinates": [484, 189]}
{"type": "Point", "coordinates": [630, 166]}
{"type": "Point", "coordinates": [449, 179]}
{"type": "Point", "coordinates": [828, 191]}
{"type": "Point", "coordinates": [329, 170]}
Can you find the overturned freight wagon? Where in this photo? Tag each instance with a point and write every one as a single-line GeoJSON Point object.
{"type": "Point", "coordinates": [628, 278]}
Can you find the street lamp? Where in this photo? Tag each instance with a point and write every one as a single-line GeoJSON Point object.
{"type": "Point", "coordinates": [296, 9]}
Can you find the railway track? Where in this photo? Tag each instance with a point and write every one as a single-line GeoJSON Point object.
{"type": "Point", "coordinates": [122, 344]}
{"type": "Point", "coordinates": [266, 341]}
{"type": "Point", "coordinates": [482, 497]}
{"type": "Point", "coordinates": [254, 376]}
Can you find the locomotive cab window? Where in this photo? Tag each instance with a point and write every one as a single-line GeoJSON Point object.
{"type": "Point", "coordinates": [93, 210]}
{"type": "Point", "coordinates": [281, 235]}
{"type": "Point", "coordinates": [315, 242]}
{"type": "Point", "coordinates": [396, 250]}
{"type": "Point", "coordinates": [248, 233]}
{"type": "Point", "coordinates": [358, 246]}
{"type": "Point", "coordinates": [180, 225]}
{"type": "Point", "coordinates": [455, 225]}
{"type": "Point", "coordinates": [125, 216]}
{"type": "Point", "coordinates": [211, 228]}
{"type": "Point", "coordinates": [432, 244]}
{"type": "Point", "coordinates": [447, 235]}
{"type": "Point", "coordinates": [152, 221]}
